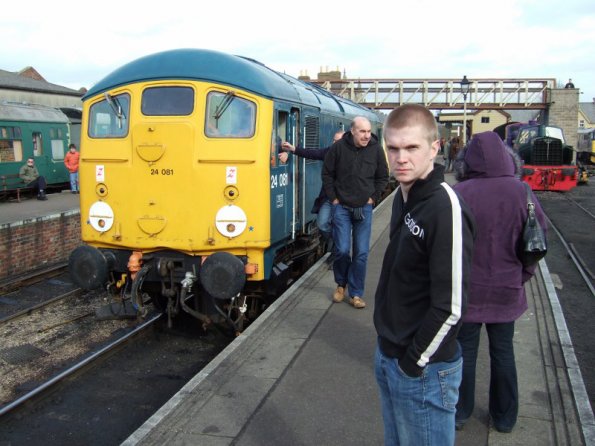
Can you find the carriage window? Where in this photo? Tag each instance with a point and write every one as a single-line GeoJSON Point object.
{"type": "Point", "coordinates": [168, 101]}
{"type": "Point", "coordinates": [11, 146]}
{"type": "Point", "coordinates": [229, 116]}
{"type": "Point", "coordinates": [109, 118]}
{"type": "Point", "coordinates": [37, 144]}
{"type": "Point", "coordinates": [57, 149]}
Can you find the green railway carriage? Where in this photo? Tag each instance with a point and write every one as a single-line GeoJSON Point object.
{"type": "Point", "coordinates": [38, 132]}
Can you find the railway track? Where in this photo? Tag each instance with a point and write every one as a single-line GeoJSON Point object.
{"type": "Point", "coordinates": [578, 244]}
{"type": "Point", "coordinates": [80, 364]}
{"type": "Point", "coordinates": [50, 337]}
{"type": "Point", "coordinates": [571, 263]}
{"type": "Point", "coordinates": [22, 280]}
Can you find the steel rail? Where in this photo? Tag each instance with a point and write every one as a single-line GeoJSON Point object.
{"type": "Point", "coordinates": [583, 271]}
{"type": "Point", "coordinates": [14, 404]}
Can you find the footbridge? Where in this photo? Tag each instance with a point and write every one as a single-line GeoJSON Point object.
{"type": "Point", "coordinates": [492, 94]}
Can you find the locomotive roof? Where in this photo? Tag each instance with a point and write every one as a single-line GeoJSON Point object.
{"type": "Point", "coordinates": [235, 71]}
{"type": "Point", "coordinates": [10, 111]}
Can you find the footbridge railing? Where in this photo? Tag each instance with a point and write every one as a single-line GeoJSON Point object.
{"type": "Point", "coordinates": [491, 94]}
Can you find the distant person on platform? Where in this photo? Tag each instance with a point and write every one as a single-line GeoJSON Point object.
{"type": "Point", "coordinates": [71, 161]}
{"type": "Point", "coordinates": [422, 289]}
{"type": "Point", "coordinates": [569, 84]}
{"type": "Point", "coordinates": [31, 178]}
{"type": "Point", "coordinates": [354, 177]}
{"type": "Point", "coordinates": [322, 206]}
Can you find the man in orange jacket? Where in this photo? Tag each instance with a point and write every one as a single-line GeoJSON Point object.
{"type": "Point", "coordinates": [71, 160]}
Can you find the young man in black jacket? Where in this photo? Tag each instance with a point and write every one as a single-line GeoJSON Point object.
{"type": "Point", "coordinates": [421, 293]}
{"type": "Point", "coordinates": [354, 176]}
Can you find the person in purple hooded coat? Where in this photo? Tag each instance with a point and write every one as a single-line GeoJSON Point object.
{"type": "Point", "coordinates": [497, 198]}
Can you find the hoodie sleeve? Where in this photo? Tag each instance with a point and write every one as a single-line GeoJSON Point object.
{"type": "Point", "coordinates": [449, 250]}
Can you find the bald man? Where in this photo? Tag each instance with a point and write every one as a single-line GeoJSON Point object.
{"type": "Point", "coordinates": [354, 176]}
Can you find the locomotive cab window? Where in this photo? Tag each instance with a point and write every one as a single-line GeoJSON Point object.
{"type": "Point", "coordinates": [109, 118]}
{"type": "Point", "coordinates": [167, 101]}
{"type": "Point", "coordinates": [229, 116]}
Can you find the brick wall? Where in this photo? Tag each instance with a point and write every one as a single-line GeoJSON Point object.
{"type": "Point", "coordinates": [36, 243]}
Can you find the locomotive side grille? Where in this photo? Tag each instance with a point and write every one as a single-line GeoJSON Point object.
{"type": "Point", "coordinates": [547, 152]}
{"type": "Point", "coordinates": [311, 138]}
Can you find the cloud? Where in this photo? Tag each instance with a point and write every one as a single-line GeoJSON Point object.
{"type": "Point", "coordinates": [388, 39]}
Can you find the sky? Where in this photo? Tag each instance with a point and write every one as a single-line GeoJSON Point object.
{"type": "Point", "coordinates": [77, 43]}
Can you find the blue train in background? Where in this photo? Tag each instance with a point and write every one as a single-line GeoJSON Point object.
{"type": "Point", "coordinates": [184, 202]}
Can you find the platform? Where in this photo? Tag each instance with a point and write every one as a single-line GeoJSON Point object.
{"type": "Point", "coordinates": [302, 374]}
{"type": "Point", "coordinates": [30, 209]}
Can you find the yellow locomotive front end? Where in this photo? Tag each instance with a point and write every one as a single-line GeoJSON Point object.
{"type": "Point", "coordinates": [172, 172]}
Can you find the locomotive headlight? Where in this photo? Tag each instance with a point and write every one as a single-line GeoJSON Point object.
{"type": "Point", "coordinates": [101, 216]}
{"type": "Point", "coordinates": [231, 221]}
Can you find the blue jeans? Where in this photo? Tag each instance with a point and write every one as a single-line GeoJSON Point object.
{"type": "Point", "coordinates": [350, 270]}
{"type": "Point", "coordinates": [324, 217]}
{"type": "Point", "coordinates": [74, 181]}
{"type": "Point", "coordinates": [503, 394]}
{"type": "Point", "coordinates": [418, 411]}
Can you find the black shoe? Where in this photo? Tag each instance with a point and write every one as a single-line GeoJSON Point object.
{"type": "Point", "coordinates": [459, 425]}
{"type": "Point", "coordinates": [503, 430]}
{"type": "Point", "coordinates": [73, 192]}
{"type": "Point", "coordinates": [42, 197]}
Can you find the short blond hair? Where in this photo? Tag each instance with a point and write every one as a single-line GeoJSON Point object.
{"type": "Point", "coordinates": [409, 115]}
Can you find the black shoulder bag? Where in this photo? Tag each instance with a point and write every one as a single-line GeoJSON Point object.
{"type": "Point", "coordinates": [534, 244]}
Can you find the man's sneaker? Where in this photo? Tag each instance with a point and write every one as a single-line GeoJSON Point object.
{"type": "Point", "coordinates": [357, 302]}
{"type": "Point", "coordinates": [339, 294]}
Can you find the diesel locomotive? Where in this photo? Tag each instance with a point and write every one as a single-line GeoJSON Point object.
{"type": "Point", "coordinates": [548, 162]}
{"type": "Point", "coordinates": [184, 202]}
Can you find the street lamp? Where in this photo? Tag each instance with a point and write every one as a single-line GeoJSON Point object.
{"type": "Point", "coordinates": [465, 86]}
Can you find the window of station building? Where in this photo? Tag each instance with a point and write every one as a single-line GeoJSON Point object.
{"type": "Point", "coordinates": [167, 101]}
{"type": "Point", "coordinates": [109, 118]}
{"type": "Point", "coordinates": [228, 116]}
{"type": "Point", "coordinates": [37, 144]}
{"type": "Point", "coordinates": [485, 119]}
{"type": "Point", "coordinates": [11, 145]}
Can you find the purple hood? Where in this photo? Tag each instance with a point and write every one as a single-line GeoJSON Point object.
{"type": "Point", "coordinates": [487, 157]}
{"type": "Point", "coordinates": [498, 201]}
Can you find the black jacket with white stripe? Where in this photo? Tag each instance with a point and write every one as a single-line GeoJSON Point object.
{"type": "Point", "coordinates": [422, 290]}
